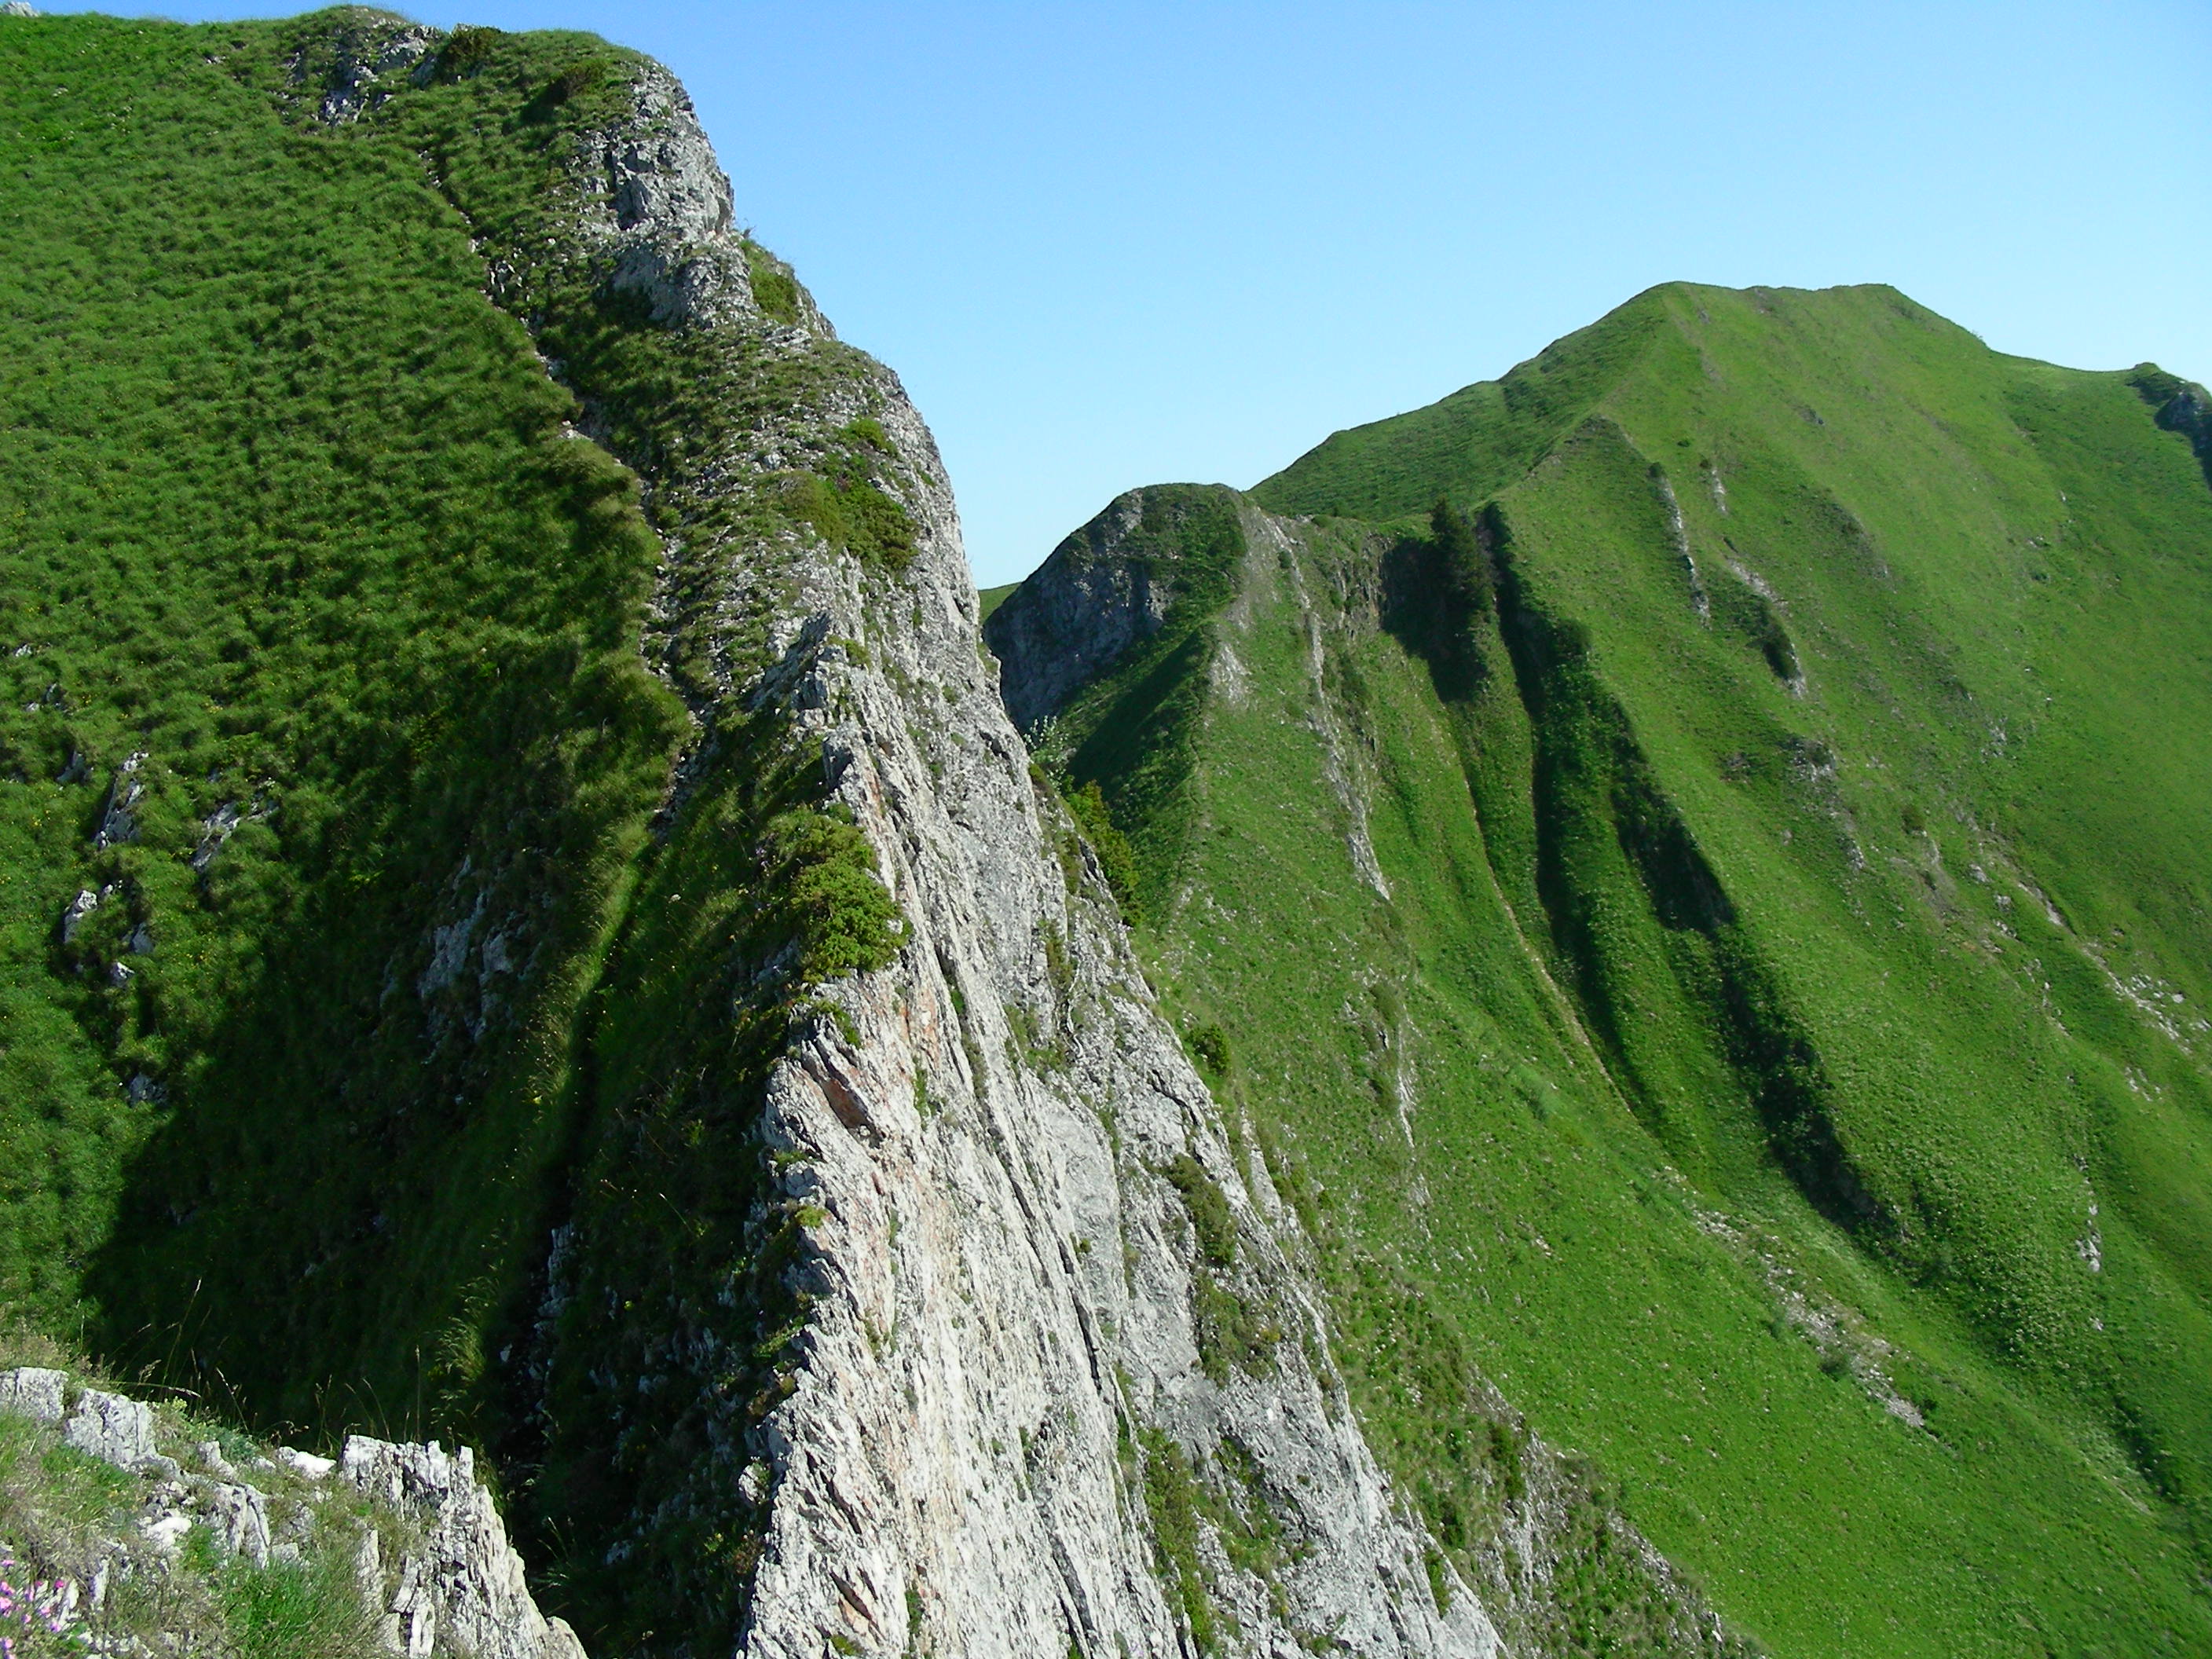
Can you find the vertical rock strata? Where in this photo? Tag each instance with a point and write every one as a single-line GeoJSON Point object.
{"type": "Point", "coordinates": [1061, 1383]}
{"type": "Point", "coordinates": [1015, 1297]}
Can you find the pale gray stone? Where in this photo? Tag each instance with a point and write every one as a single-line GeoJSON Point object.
{"type": "Point", "coordinates": [112, 1429]}
{"type": "Point", "coordinates": [1002, 1282]}
{"type": "Point", "coordinates": [238, 1516]}
{"type": "Point", "coordinates": [33, 1392]}
{"type": "Point", "coordinates": [659, 216]}
{"type": "Point", "coordinates": [306, 1465]}
{"type": "Point", "coordinates": [371, 49]}
{"type": "Point", "coordinates": [74, 912]}
{"type": "Point", "coordinates": [118, 822]}
{"type": "Point", "coordinates": [465, 1588]}
{"type": "Point", "coordinates": [215, 829]}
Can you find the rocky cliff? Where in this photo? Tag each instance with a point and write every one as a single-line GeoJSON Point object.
{"type": "Point", "coordinates": [145, 1529]}
{"type": "Point", "coordinates": [671, 1036]}
{"type": "Point", "coordinates": [1058, 1380]}
{"type": "Point", "coordinates": [1005, 1344]}
{"type": "Point", "coordinates": [527, 924]}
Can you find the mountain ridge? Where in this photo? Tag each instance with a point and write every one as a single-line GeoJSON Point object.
{"type": "Point", "coordinates": [1774, 611]}
{"type": "Point", "coordinates": [1473, 1037]}
{"type": "Point", "coordinates": [630, 1002]}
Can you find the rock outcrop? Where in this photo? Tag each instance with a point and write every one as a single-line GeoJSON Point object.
{"type": "Point", "coordinates": [1049, 1293]}
{"type": "Point", "coordinates": [428, 1556]}
{"type": "Point", "coordinates": [1063, 1380]}
{"type": "Point", "coordinates": [1085, 606]}
{"type": "Point", "coordinates": [463, 1584]}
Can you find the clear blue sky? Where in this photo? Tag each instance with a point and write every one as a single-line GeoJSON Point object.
{"type": "Point", "coordinates": [1107, 246]}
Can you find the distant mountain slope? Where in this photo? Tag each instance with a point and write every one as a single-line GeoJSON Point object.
{"type": "Point", "coordinates": [1712, 925]}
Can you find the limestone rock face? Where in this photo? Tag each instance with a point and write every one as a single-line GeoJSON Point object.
{"type": "Point", "coordinates": [375, 48]}
{"type": "Point", "coordinates": [1088, 603]}
{"type": "Point", "coordinates": [32, 1391]}
{"type": "Point", "coordinates": [112, 1429]}
{"type": "Point", "coordinates": [464, 1590]}
{"type": "Point", "coordinates": [1025, 1331]}
{"type": "Point", "coordinates": [1063, 1381]}
{"type": "Point", "coordinates": [457, 1587]}
{"type": "Point", "coordinates": [662, 207]}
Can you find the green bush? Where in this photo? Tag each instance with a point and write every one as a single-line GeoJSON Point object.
{"type": "Point", "coordinates": [1464, 567]}
{"type": "Point", "coordinates": [574, 81]}
{"type": "Point", "coordinates": [466, 50]}
{"type": "Point", "coordinates": [848, 510]}
{"type": "Point", "coordinates": [820, 873]}
{"type": "Point", "coordinates": [1209, 1046]}
{"type": "Point", "coordinates": [1209, 1210]}
{"type": "Point", "coordinates": [775, 290]}
{"type": "Point", "coordinates": [1088, 806]}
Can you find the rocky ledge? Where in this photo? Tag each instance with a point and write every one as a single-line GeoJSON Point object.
{"type": "Point", "coordinates": [131, 1529]}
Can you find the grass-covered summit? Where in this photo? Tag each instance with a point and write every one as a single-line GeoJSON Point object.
{"type": "Point", "coordinates": [1688, 858]}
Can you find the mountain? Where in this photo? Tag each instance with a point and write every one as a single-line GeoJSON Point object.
{"type": "Point", "coordinates": [1581, 1036]}
{"type": "Point", "coordinates": [525, 920]}
{"type": "Point", "coordinates": [1684, 862]}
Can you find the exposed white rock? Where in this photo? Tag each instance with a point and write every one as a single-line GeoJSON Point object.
{"type": "Point", "coordinates": [306, 1465]}
{"type": "Point", "coordinates": [372, 48]}
{"type": "Point", "coordinates": [465, 1589]}
{"type": "Point", "coordinates": [118, 820]}
{"type": "Point", "coordinates": [459, 1589]}
{"type": "Point", "coordinates": [238, 1514]}
{"type": "Point", "coordinates": [165, 1530]}
{"type": "Point", "coordinates": [1005, 1285]}
{"type": "Point", "coordinates": [74, 912]}
{"type": "Point", "coordinates": [216, 829]}
{"type": "Point", "coordinates": [662, 216]}
{"type": "Point", "coordinates": [33, 1392]}
{"type": "Point", "coordinates": [112, 1429]}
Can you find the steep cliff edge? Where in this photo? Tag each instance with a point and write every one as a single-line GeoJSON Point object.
{"type": "Point", "coordinates": [131, 1528]}
{"type": "Point", "coordinates": [728, 1094]}
{"type": "Point", "coordinates": [1054, 1378]}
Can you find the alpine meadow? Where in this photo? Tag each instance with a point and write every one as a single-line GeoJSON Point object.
{"type": "Point", "coordinates": [1575, 1026]}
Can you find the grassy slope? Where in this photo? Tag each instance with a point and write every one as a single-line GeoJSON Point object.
{"type": "Point", "coordinates": [286, 506]}
{"type": "Point", "coordinates": [1836, 997]}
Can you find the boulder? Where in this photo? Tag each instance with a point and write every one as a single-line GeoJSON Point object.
{"type": "Point", "coordinates": [29, 1391]}
{"type": "Point", "coordinates": [112, 1429]}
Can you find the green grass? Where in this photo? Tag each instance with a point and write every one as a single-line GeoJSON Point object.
{"type": "Point", "coordinates": [289, 508]}
{"type": "Point", "coordinates": [286, 507]}
{"type": "Point", "coordinates": [62, 1512]}
{"type": "Point", "coordinates": [1693, 991]}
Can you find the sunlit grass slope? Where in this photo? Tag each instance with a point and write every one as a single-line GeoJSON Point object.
{"type": "Point", "coordinates": [341, 960]}
{"type": "Point", "coordinates": [1767, 1041]}
{"type": "Point", "coordinates": [288, 524]}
